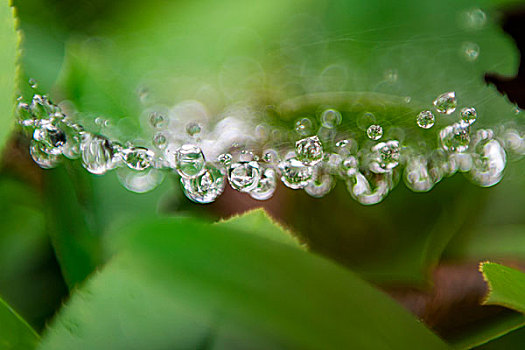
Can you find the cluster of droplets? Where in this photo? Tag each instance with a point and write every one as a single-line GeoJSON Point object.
{"type": "Point", "coordinates": [370, 170]}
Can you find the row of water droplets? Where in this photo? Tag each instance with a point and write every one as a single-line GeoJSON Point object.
{"type": "Point", "coordinates": [370, 172]}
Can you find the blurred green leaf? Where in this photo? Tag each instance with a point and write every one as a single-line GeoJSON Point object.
{"type": "Point", "coordinates": [8, 65]}
{"type": "Point", "coordinates": [15, 333]}
{"type": "Point", "coordinates": [506, 286]}
{"type": "Point", "coordinates": [259, 222]}
{"type": "Point", "coordinates": [178, 283]}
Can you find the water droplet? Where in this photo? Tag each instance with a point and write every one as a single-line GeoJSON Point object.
{"type": "Point", "coordinates": [160, 141]}
{"type": "Point", "coordinates": [489, 159]}
{"type": "Point", "coordinates": [374, 132]}
{"type": "Point", "coordinates": [71, 148]}
{"type": "Point", "coordinates": [271, 156]}
{"type": "Point", "coordinates": [204, 188]}
{"type": "Point", "coordinates": [190, 161]}
{"type": "Point", "coordinates": [304, 126]}
{"type": "Point", "coordinates": [43, 159]}
{"type": "Point", "coordinates": [331, 118]}
{"type": "Point", "coordinates": [294, 173]}
{"type": "Point", "coordinates": [364, 120]}
{"type": "Point", "coordinates": [468, 115]}
{"type": "Point", "coordinates": [140, 181]}
{"type": "Point", "coordinates": [51, 138]}
{"type": "Point", "coordinates": [385, 156]}
{"type": "Point", "coordinates": [193, 128]}
{"type": "Point", "coordinates": [266, 185]}
{"type": "Point", "coordinates": [371, 190]}
{"type": "Point", "coordinates": [470, 51]}
{"type": "Point", "coordinates": [349, 166]}
{"type": "Point", "coordinates": [33, 83]}
{"type": "Point", "coordinates": [425, 119]}
{"type": "Point", "coordinates": [417, 176]}
{"type": "Point", "coordinates": [244, 176]}
{"type": "Point", "coordinates": [138, 158]}
{"type": "Point", "coordinates": [158, 120]}
{"type": "Point", "coordinates": [455, 138]}
{"type": "Point", "coordinates": [23, 112]}
{"type": "Point", "coordinates": [225, 159]}
{"type": "Point", "coordinates": [309, 150]}
{"type": "Point", "coordinates": [474, 19]}
{"type": "Point", "coordinates": [97, 153]}
{"type": "Point", "coordinates": [41, 107]}
{"type": "Point", "coordinates": [446, 103]}
{"type": "Point", "coordinates": [320, 185]}
{"type": "Point", "coordinates": [345, 147]}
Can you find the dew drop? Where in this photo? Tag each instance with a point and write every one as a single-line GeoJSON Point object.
{"type": "Point", "coordinates": [193, 128]}
{"type": "Point", "coordinates": [374, 132]}
{"type": "Point", "coordinates": [189, 161]}
{"type": "Point", "coordinates": [331, 118]}
{"type": "Point", "coordinates": [97, 153]}
{"type": "Point", "coordinates": [304, 126]}
{"type": "Point", "coordinates": [369, 191]}
{"type": "Point", "coordinates": [51, 138]}
{"type": "Point", "coordinates": [43, 159]}
{"type": "Point", "coordinates": [41, 107]}
{"type": "Point", "coordinates": [138, 158]}
{"type": "Point", "coordinates": [468, 115]}
{"type": "Point", "coordinates": [160, 141]}
{"type": "Point", "coordinates": [364, 120]}
{"type": "Point", "coordinates": [455, 138]}
{"type": "Point", "coordinates": [425, 119]}
{"type": "Point", "coordinates": [158, 120]}
{"type": "Point", "coordinates": [204, 188]}
{"type": "Point", "coordinates": [446, 103]}
{"type": "Point", "coordinates": [320, 185]}
{"type": "Point", "coordinates": [266, 185]}
{"type": "Point", "coordinates": [474, 19]}
{"type": "Point", "coordinates": [417, 176]}
{"type": "Point", "coordinates": [309, 150]}
{"type": "Point", "coordinates": [294, 173]}
{"type": "Point", "coordinates": [225, 159]}
{"type": "Point", "coordinates": [140, 181]}
{"type": "Point", "coordinates": [271, 156]}
{"type": "Point", "coordinates": [489, 159]}
{"type": "Point", "coordinates": [385, 156]}
{"type": "Point", "coordinates": [33, 83]}
{"type": "Point", "coordinates": [244, 176]}
{"type": "Point", "coordinates": [470, 51]}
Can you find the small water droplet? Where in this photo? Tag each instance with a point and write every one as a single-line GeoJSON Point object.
{"type": "Point", "coordinates": [190, 161]}
{"type": "Point", "coordinates": [331, 118]}
{"type": "Point", "coordinates": [41, 107]}
{"type": "Point", "coordinates": [468, 115]}
{"type": "Point", "coordinates": [204, 188]}
{"type": "Point", "coordinates": [193, 128]}
{"type": "Point", "coordinates": [474, 19]}
{"type": "Point", "coordinates": [391, 75]}
{"type": "Point", "coordinates": [33, 83]}
{"type": "Point", "coordinates": [470, 51]}
{"type": "Point", "coordinates": [446, 103]}
{"type": "Point", "coordinates": [417, 176]}
{"type": "Point", "coordinates": [455, 138]}
{"type": "Point", "coordinates": [266, 185]}
{"type": "Point", "coordinates": [304, 126]}
{"type": "Point", "coordinates": [158, 120]}
{"type": "Point", "coordinates": [271, 156]}
{"type": "Point", "coordinates": [320, 185]}
{"type": "Point", "coordinates": [225, 159]}
{"type": "Point", "coordinates": [385, 156]}
{"type": "Point", "coordinates": [364, 120]}
{"type": "Point", "coordinates": [294, 173]}
{"type": "Point", "coordinates": [374, 132]}
{"type": "Point", "coordinates": [160, 141]}
{"type": "Point", "coordinates": [138, 158]}
{"type": "Point", "coordinates": [309, 150]}
{"type": "Point", "coordinates": [244, 176]}
{"type": "Point", "coordinates": [425, 119]}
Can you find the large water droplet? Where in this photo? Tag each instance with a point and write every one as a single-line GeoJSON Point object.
{"type": "Point", "coordinates": [374, 132]}
{"type": "Point", "coordinates": [371, 190]}
{"type": "Point", "coordinates": [309, 150]}
{"type": "Point", "coordinates": [425, 119]}
{"type": "Point", "coordinates": [489, 159]}
{"type": "Point", "coordinates": [51, 138]}
{"type": "Point", "coordinates": [97, 154]}
{"type": "Point", "coordinates": [294, 173]}
{"type": "Point", "coordinates": [331, 118]}
{"type": "Point", "coordinates": [43, 159]}
{"type": "Point", "coordinates": [190, 161]}
{"type": "Point", "coordinates": [320, 185]}
{"type": "Point", "coordinates": [446, 103]}
{"type": "Point", "coordinates": [206, 187]}
{"type": "Point", "coordinates": [385, 156]}
{"type": "Point", "coordinates": [266, 185]}
{"type": "Point", "coordinates": [138, 158]}
{"type": "Point", "coordinates": [244, 176]}
{"type": "Point", "coordinates": [468, 115]}
{"type": "Point", "coordinates": [455, 138]}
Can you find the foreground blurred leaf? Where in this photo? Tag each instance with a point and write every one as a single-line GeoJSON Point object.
{"type": "Point", "coordinates": [260, 223]}
{"type": "Point", "coordinates": [506, 286]}
{"type": "Point", "coordinates": [15, 333]}
{"type": "Point", "coordinates": [8, 56]}
{"type": "Point", "coordinates": [177, 283]}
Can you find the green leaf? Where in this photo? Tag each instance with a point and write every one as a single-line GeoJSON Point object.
{"type": "Point", "coordinates": [506, 286]}
{"type": "Point", "coordinates": [8, 59]}
{"type": "Point", "coordinates": [15, 333]}
{"type": "Point", "coordinates": [259, 222]}
{"type": "Point", "coordinates": [178, 283]}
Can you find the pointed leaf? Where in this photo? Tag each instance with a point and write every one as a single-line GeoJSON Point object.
{"type": "Point", "coordinates": [15, 333]}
